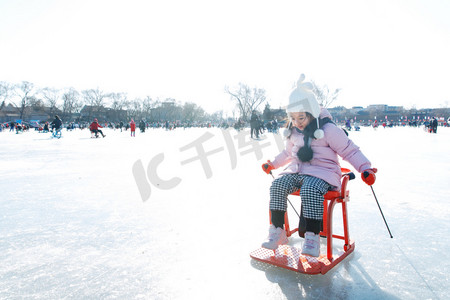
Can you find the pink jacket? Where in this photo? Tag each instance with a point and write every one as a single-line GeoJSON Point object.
{"type": "Point", "coordinates": [325, 162]}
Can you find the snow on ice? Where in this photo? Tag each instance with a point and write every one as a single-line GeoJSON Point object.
{"type": "Point", "coordinates": [151, 217]}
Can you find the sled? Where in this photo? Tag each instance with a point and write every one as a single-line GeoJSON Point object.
{"type": "Point", "coordinates": [290, 257]}
{"type": "Point", "coordinates": [95, 134]}
{"type": "Point", "coordinates": [56, 133]}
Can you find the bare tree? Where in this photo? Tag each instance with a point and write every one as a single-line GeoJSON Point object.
{"type": "Point", "coordinates": [171, 110]}
{"type": "Point", "coordinates": [247, 99]}
{"type": "Point", "coordinates": [35, 103]}
{"type": "Point", "coordinates": [94, 99]}
{"type": "Point", "coordinates": [51, 97]}
{"type": "Point", "coordinates": [6, 91]}
{"type": "Point", "coordinates": [156, 112]}
{"type": "Point", "coordinates": [147, 105]}
{"type": "Point", "coordinates": [323, 94]}
{"type": "Point", "coordinates": [118, 102]}
{"type": "Point", "coordinates": [192, 112]}
{"type": "Point", "coordinates": [25, 92]}
{"type": "Point", "coordinates": [216, 116]}
{"type": "Point", "coordinates": [135, 109]}
{"type": "Point", "coordinates": [71, 102]}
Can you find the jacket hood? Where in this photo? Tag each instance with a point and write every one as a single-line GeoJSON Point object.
{"type": "Point", "coordinates": [324, 113]}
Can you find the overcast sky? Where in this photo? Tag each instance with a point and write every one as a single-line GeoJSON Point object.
{"type": "Point", "coordinates": [377, 52]}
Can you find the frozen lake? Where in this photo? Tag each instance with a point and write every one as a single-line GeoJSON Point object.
{"type": "Point", "coordinates": [143, 217]}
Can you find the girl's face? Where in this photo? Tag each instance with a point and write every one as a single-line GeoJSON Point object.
{"type": "Point", "coordinates": [300, 120]}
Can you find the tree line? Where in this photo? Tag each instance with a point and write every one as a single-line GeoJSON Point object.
{"type": "Point", "coordinates": [69, 102]}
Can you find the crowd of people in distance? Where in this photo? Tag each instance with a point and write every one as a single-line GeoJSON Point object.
{"type": "Point", "coordinates": [256, 124]}
{"type": "Point", "coordinates": [429, 124]}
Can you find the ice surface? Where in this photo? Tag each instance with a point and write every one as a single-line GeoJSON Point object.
{"type": "Point", "coordinates": [74, 225]}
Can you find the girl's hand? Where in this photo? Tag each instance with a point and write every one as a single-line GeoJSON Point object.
{"type": "Point", "coordinates": [268, 167]}
{"type": "Point", "coordinates": [368, 176]}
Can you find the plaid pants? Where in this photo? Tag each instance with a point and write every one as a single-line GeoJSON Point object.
{"type": "Point", "coordinates": [311, 193]}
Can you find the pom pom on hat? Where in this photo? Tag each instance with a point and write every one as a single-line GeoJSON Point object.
{"type": "Point", "coordinates": [286, 132]}
{"type": "Point", "coordinates": [318, 134]}
{"type": "Point", "coordinates": [302, 99]}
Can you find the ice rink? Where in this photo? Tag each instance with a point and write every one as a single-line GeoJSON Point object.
{"type": "Point", "coordinates": [150, 217]}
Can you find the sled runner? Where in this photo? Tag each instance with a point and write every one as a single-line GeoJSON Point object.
{"type": "Point", "coordinates": [94, 134]}
{"type": "Point", "coordinates": [56, 133]}
{"type": "Point", "coordinates": [290, 257]}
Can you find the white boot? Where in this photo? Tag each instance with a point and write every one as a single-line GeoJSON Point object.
{"type": "Point", "coordinates": [311, 245]}
{"type": "Point", "coordinates": [277, 236]}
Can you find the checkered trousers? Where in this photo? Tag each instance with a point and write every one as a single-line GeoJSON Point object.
{"type": "Point", "coordinates": [311, 193]}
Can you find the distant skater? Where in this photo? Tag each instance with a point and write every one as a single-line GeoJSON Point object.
{"type": "Point", "coordinates": [434, 125]}
{"type": "Point", "coordinates": [133, 128]}
{"type": "Point", "coordinates": [94, 127]}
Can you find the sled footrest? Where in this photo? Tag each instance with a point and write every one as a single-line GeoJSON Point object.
{"type": "Point", "coordinates": [289, 257]}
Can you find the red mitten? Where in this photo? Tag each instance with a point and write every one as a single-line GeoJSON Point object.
{"type": "Point", "coordinates": [368, 176]}
{"type": "Point", "coordinates": [268, 167]}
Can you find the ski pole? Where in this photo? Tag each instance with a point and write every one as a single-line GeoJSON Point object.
{"type": "Point", "coordinates": [373, 192]}
{"type": "Point", "coordinates": [293, 207]}
{"type": "Point", "coordinates": [287, 199]}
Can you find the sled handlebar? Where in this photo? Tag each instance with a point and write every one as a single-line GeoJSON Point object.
{"type": "Point", "coordinates": [350, 174]}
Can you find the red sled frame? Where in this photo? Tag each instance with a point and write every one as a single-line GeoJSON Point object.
{"type": "Point", "coordinates": [290, 257]}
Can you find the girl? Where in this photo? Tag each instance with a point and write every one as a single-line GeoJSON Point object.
{"type": "Point", "coordinates": [313, 145]}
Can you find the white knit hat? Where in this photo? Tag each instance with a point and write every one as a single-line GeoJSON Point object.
{"type": "Point", "coordinates": [302, 99]}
